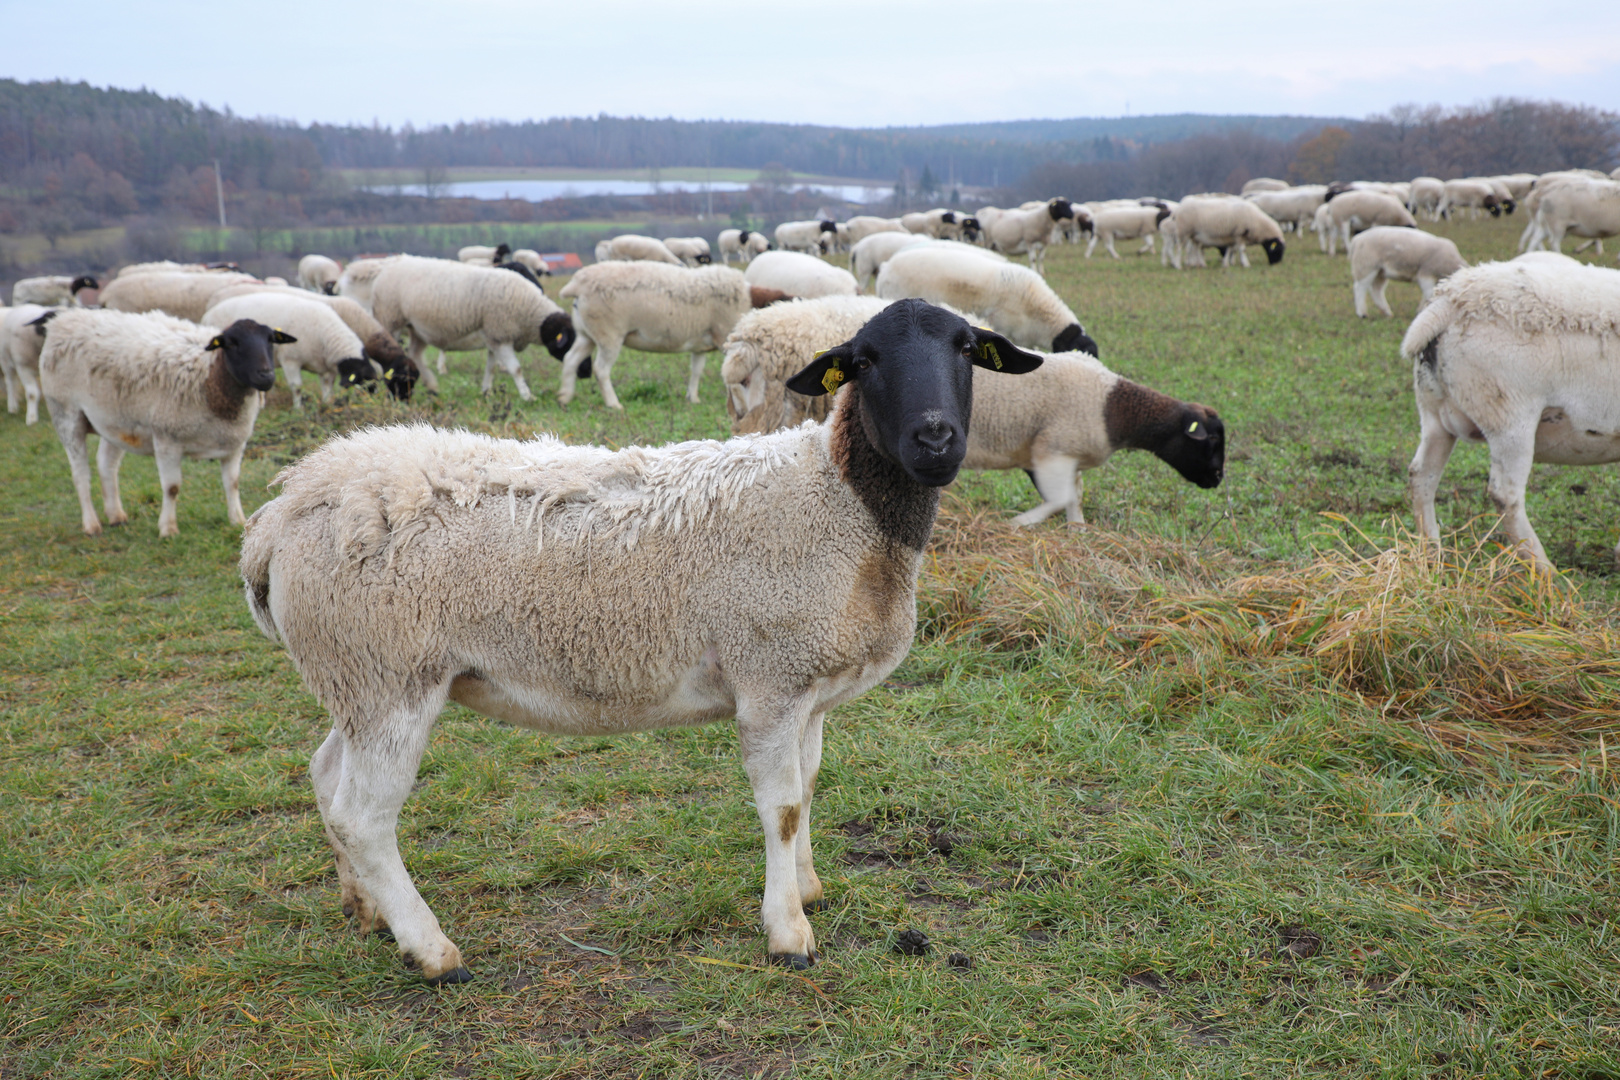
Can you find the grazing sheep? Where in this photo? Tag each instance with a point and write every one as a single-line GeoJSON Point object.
{"type": "Point", "coordinates": [861, 226]}
{"type": "Point", "coordinates": [1356, 211]}
{"type": "Point", "coordinates": [1427, 195]}
{"type": "Point", "coordinates": [483, 255]}
{"type": "Point", "coordinates": [653, 308]}
{"type": "Point", "coordinates": [771, 345]}
{"type": "Point", "coordinates": [797, 275]}
{"type": "Point", "coordinates": [57, 291]}
{"type": "Point", "coordinates": [1013, 300]}
{"type": "Point", "coordinates": [632, 247]}
{"type": "Point", "coordinates": [806, 236]}
{"type": "Point", "coordinates": [941, 224]}
{"type": "Point", "coordinates": [1072, 416]}
{"type": "Point", "coordinates": [449, 304]}
{"type": "Point", "coordinates": [323, 341]}
{"type": "Point", "coordinates": [183, 295]}
{"type": "Point", "coordinates": [1263, 183]}
{"type": "Point", "coordinates": [1133, 222]}
{"type": "Point", "coordinates": [691, 250]}
{"type": "Point", "coordinates": [20, 345]}
{"type": "Point", "coordinates": [1474, 195]}
{"type": "Point", "coordinates": [1584, 207]}
{"type": "Point", "coordinates": [1012, 232]}
{"type": "Point", "coordinates": [1229, 224]}
{"type": "Point", "coordinates": [1521, 356]}
{"type": "Point", "coordinates": [743, 244]}
{"type": "Point", "coordinates": [319, 274]}
{"type": "Point", "coordinates": [1292, 208]}
{"type": "Point", "coordinates": [380, 347]}
{"type": "Point", "coordinates": [1387, 253]}
{"type": "Point", "coordinates": [870, 253]}
{"type": "Point", "coordinates": [159, 386]}
{"type": "Point", "coordinates": [580, 591]}
{"type": "Point", "coordinates": [530, 258]}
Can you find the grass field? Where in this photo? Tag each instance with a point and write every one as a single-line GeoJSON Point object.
{"type": "Point", "coordinates": [1223, 783]}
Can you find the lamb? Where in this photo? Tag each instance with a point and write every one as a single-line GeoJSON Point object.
{"type": "Point", "coordinates": [1391, 253]}
{"type": "Point", "coordinates": [1016, 231]}
{"type": "Point", "coordinates": [806, 236]}
{"type": "Point", "coordinates": [1230, 224]}
{"type": "Point", "coordinates": [159, 386]}
{"type": "Point", "coordinates": [183, 295]}
{"type": "Point", "coordinates": [483, 255]}
{"type": "Point", "coordinates": [21, 339]}
{"type": "Point", "coordinates": [1013, 300]}
{"type": "Point", "coordinates": [57, 291]}
{"type": "Point", "coordinates": [941, 224]}
{"type": "Point", "coordinates": [803, 276]}
{"type": "Point", "coordinates": [318, 274]}
{"type": "Point", "coordinates": [446, 303]}
{"type": "Point", "coordinates": [691, 250]}
{"type": "Point", "coordinates": [379, 346]}
{"type": "Point", "coordinates": [1356, 211]}
{"type": "Point", "coordinates": [654, 308]}
{"type": "Point", "coordinates": [1293, 208]}
{"type": "Point", "coordinates": [580, 591]}
{"type": "Point", "coordinates": [635, 248]}
{"type": "Point", "coordinates": [1519, 355]}
{"type": "Point", "coordinates": [743, 244]}
{"type": "Point", "coordinates": [863, 225]}
{"type": "Point", "coordinates": [323, 341]}
{"type": "Point", "coordinates": [869, 254]}
{"type": "Point", "coordinates": [1126, 223]}
{"type": "Point", "coordinates": [769, 346]}
{"type": "Point", "coordinates": [1475, 195]}
{"type": "Point", "coordinates": [1427, 195]}
{"type": "Point", "coordinates": [1071, 416]}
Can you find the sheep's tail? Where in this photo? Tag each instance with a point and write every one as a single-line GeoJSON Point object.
{"type": "Point", "coordinates": [257, 548]}
{"type": "Point", "coordinates": [1430, 323]}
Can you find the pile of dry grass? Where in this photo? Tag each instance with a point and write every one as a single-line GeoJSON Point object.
{"type": "Point", "coordinates": [1470, 647]}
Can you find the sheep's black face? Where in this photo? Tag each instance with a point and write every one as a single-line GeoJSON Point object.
{"type": "Point", "coordinates": [329, 288]}
{"type": "Point", "coordinates": [1075, 339]}
{"type": "Point", "coordinates": [1059, 209]}
{"type": "Point", "coordinates": [1198, 448]}
{"type": "Point", "coordinates": [1274, 251]}
{"type": "Point", "coordinates": [357, 373]}
{"type": "Point", "coordinates": [704, 259]}
{"type": "Point", "coordinates": [83, 281]}
{"type": "Point", "coordinates": [913, 363]}
{"type": "Point", "coordinates": [557, 335]}
{"type": "Point", "coordinates": [249, 351]}
{"type": "Point", "coordinates": [1508, 205]}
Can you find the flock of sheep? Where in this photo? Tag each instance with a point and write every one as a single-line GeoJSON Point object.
{"type": "Point", "coordinates": [771, 576]}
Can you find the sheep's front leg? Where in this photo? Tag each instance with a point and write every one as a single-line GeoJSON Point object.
{"type": "Point", "coordinates": [72, 426]}
{"type": "Point", "coordinates": [692, 380]}
{"type": "Point", "coordinates": [1109, 247]}
{"type": "Point", "coordinates": [1379, 284]}
{"type": "Point", "coordinates": [109, 456]}
{"type": "Point", "coordinates": [1057, 480]}
{"type": "Point", "coordinates": [577, 354]}
{"type": "Point", "coordinates": [506, 358]}
{"type": "Point", "coordinates": [444, 368]}
{"type": "Point", "coordinates": [375, 768]}
{"type": "Point", "coordinates": [169, 456]}
{"type": "Point", "coordinates": [328, 385]}
{"type": "Point", "coordinates": [1512, 454]}
{"type": "Point", "coordinates": [773, 736]}
{"type": "Point", "coordinates": [811, 895]}
{"type": "Point", "coordinates": [1091, 245]}
{"type": "Point", "coordinates": [230, 478]}
{"type": "Point", "coordinates": [416, 349]}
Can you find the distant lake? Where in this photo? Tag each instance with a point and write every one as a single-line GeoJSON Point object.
{"type": "Point", "coordinates": [537, 190]}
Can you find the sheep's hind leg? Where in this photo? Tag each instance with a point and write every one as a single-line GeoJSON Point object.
{"type": "Point", "coordinates": [1423, 475]}
{"type": "Point", "coordinates": [575, 358]}
{"type": "Point", "coordinates": [109, 456]}
{"type": "Point", "coordinates": [773, 748]}
{"type": "Point", "coordinates": [72, 426]}
{"type": "Point", "coordinates": [376, 771]}
{"type": "Point", "coordinates": [1058, 481]}
{"type": "Point", "coordinates": [325, 770]}
{"type": "Point", "coordinates": [698, 361]}
{"type": "Point", "coordinates": [1512, 455]}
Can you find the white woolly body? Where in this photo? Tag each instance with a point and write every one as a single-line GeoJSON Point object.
{"type": "Point", "coordinates": [53, 291]}
{"type": "Point", "coordinates": [360, 276]}
{"type": "Point", "coordinates": [183, 295]}
{"type": "Point", "coordinates": [870, 253]}
{"type": "Point", "coordinates": [1294, 206]}
{"type": "Point", "coordinates": [1356, 211]}
{"type": "Point", "coordinates": [1226, 222]}
{"type": "Point", "coordinates": [1013, 232]}
{"type": "Point", "coordinates": [631, 247]}
{"type": "Point", "coordinates": [1390, 253]}
{"type": "Point", "coordinates": [731, 243]}
{"type": "Point", "coordinates": [863, 225]}
{"type": "Point", "coordinates": [687, 248]}
{"type": "Point", "coordinates": [1123, 223]}
{"type": "Point", "coordinates": [316, 272]}
{"type": "Point", "coordinates": [1012, 300]}
{"type": "Point", "coordinates": [323, 339]}
{"type": "Point", "coordinates": [802, 236]}
{"type": "Point", "coordinates": [1524, 356]}
{"type": "Point", "coordinates": [803, 276]}
{"type": "Point", "coordinates": [771, 345]}
{"type": "Point", "coordinates": [20, 345]}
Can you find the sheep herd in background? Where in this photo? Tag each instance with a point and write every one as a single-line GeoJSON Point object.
{"type": "Point", "coordinates": [772, 576]}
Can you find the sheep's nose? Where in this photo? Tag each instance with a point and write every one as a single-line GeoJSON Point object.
{"type": "Point", "coordinates": [935, 435]}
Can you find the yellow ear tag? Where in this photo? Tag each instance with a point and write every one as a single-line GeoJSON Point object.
{"type": "Point", "coordinates": [987, 351]}
{"type": "Point", "coordinates": [833, 379]}
{"type": "Point", "coordinates": [1193, 427]}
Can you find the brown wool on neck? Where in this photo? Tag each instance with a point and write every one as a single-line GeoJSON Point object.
{"type": "Point", "coordinates": [1133, 415]}
{"type": "Point", "coordinates": [223, 394]}
{"type": "Point", "coordinates": [902, 508]}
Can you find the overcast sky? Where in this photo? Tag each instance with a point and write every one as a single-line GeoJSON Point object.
{"type": "Point", "coordinates": [846, 62]}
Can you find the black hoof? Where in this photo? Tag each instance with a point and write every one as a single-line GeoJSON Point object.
{"type": "Point", "coordinates": [384, 933]}
{"type": "Point", "coordinates": [818, 905]}
{"type": "Point", "coordinates": [451, 977]}
{"type": "Point", "coordinates": [793, 961]}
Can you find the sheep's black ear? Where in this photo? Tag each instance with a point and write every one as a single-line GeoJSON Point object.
{"type": "Point", "coordinates": [281, 337]}
{"type": "Point", "coordinates": [1196, 429]}
{"type": "Point", "coordinates": [991, 350]}
{"type": "Point", "coordinates": [39, 323]}
{"type": "Point", "coordinates": [826, 373]}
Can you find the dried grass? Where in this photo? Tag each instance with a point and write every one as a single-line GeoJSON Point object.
{"type": "Point", "coordinates": [1471, 647]}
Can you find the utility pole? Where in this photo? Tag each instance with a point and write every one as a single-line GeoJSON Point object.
{"type": "Point", "coordinates": [219, 190]}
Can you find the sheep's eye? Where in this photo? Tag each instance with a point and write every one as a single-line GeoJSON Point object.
{"type": "Point", "coordinates": [862, 362]}
{"type": "Point", "coordinates": [967, 350]}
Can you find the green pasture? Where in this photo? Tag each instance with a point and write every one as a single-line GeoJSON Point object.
{"type": "Point", "coordinates": [1225, 783]}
